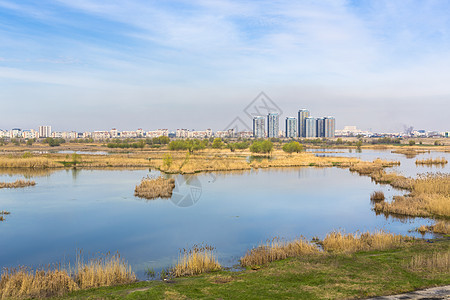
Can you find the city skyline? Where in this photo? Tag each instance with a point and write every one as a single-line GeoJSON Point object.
{"type": "Point", "coordinates": [379, 65]}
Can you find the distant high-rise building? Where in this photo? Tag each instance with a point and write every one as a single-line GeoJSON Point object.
{"type": "Point", "coordinates": [45, 131]}
{"type": "Point", "coordinates": [320, 127]}
{"type": "Point", "coordinates": [273, 125]}
{"type": "Point", "coordinates": [302, 115]}
{"type": "Point", "coordinates": [330, 127]}
{"type": "Point", "coordinates": [310, 127]}
{"type": "Point", "coordinates": [291, 127]}
{"type": "Point", "coordinates": [259, 127]}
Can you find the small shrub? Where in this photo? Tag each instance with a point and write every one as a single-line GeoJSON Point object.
{"type": "Point", "coordinates": [293, 147]}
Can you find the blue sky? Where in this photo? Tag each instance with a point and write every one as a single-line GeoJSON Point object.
{"type": "Point", "coordinates": [92, 65]}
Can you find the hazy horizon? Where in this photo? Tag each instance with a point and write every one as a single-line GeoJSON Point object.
{"type": "Point", "coordinates": [93, 65]}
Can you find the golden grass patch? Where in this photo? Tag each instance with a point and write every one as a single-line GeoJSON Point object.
{"type": "Point", "coordinates": [432, 161]}
{"type": "Point", "coordinates": [197, 260]}
{"type": "Point", "coordinates": [442, 227]}
{"type": "Point", "coordinates": [26, 162]}
{"type": "Point", "coordinates": [430, 196]}
{"type": "Point", "coordinates": [436, 262]}
{"type": "Point", "coordinates": [277, 249]}
{"type": "Point", "coordinates": [377, 196]}
{"type": "Point", "coordinates": [107, 270]}
{"type": "Point", "coordinates": [151, 188]}
{"type": "Point", "coordinates": [17, 184]}
{"type": "Point", "coordinates": [340, 242]}
{"type": "Point", "coordinates": [408, 152]}
{"type": "Point", "coordinates": [21, 283]}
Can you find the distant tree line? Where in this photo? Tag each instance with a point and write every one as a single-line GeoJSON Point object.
{"type": "Point", "coordinates": [124, 144]}
{"type": "Point", "coordinates": [190, 145]}
{"type": "Point", "coordinates": [264, 146]}
{"type": "Point", "coordinates": [54, 142]}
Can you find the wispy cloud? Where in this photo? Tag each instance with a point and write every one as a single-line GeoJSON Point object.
{"type": "Point", "coordinates": [361, 49]}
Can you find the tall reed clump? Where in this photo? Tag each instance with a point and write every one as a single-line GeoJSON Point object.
{"type": "Point", "coordinates": [38, 162]}
{"type": "Point", "coordinates": [432, 161]}
{"type": "Point", "coordinates": [442, 227]}
{"type": "Point", "coordinates": [436, 262]}
{"type": "Point", "coordinates": [107, 270]}
{"type": "Point", "coordinates": [377, 196]}
{"type": "Point", "coordinates": [409, 153]}
{"type": "Point", "coordinates": [199, 259]}
{"type": "Point", "coordinates": [24, 283]}
{"type": "Point", "coordinates": [438, 183]}
{"type": "Point", "coordinates": [394, 179]}
{"type": "Point", "coordinates": [277, 249]}
{"type": "Point", "coordinates": [367, 168]}
{"type": "Point", "coordinates": [151, 188]}
{"type": "Point", "coordinates": [340, 242]}
{"type": "Point", "coordinates": [430, 196]}
{"type": "Point", "coordinates": [17, 184]}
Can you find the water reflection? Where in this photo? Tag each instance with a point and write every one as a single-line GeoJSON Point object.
{"type": "Point", "coordinates": [258, 158]}
{"type": "Point", "coordinates": [27, 172]}
{"type": "Point", "coordinates": [234, 213]}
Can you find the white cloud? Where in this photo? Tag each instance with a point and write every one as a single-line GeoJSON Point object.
{"type": "Point", "coordinates": [166, 49]}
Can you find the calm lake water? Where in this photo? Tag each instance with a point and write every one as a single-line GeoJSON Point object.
{"type": "Point", "coordinates": [96, 211]}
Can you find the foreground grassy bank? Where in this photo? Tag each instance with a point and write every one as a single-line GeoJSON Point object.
{"type": "Point", "coordinates": [415, 265]}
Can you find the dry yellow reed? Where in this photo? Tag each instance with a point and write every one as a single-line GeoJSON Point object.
{"type": "Point", "coordinates": [442, 227]}
{"type": "Point", "coordinates": [17, 184]}
{"type": "Point", "coordinates": [199, 259]}
{"type": "Point", "coordinates": [438, 183]}
{"type": "Point", "coordinates": [340, 242]}
{"type": "Point", "coordinates": [26, 162]}
{"type": "Point", "coordinates": [432, 161]}
{"type": "Point", "coordinates": [430, 196]}
{"type": "Point", "coordinates": [409, 153]}
{"type": "Point", "coordinates": [436, 262]}
{"type": "Point", "coordinates": [24, 283]}
{"type": "Point", "coordinates": [104, 271]}
{"type": "Point", "coordinates": [151, 188]}
{"type": "Point", "coordinates": [277, 249]}
{"type": "Point", "coordinates": [377, 196]}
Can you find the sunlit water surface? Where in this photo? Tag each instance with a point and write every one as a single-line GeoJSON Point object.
{"type": "Point", "coordinates": [96, 211]}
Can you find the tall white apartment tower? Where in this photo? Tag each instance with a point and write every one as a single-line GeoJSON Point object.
{"type": "Point", "coordinates": [45, 131]}
{"type": "Point", "coordinates": [273, 125]}
{"type": "Point", "coordinates": [330, 127]}
{"type": "Point", "coordinates": [259, 126]}
{"type": "Point", "coordinates": [320, 127]}
{"type": "Point", "coordinates": [310, 127]}
{"type": "Point", "coordinates": [302, 115]}
{"type": "Point", "coordinates": [291, 127]}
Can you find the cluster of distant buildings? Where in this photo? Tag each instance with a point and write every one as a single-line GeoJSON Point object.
{"type": "Point", "coordinates": [46, 131]}
{"type": "Point", "coordinates": [352, 131]}
{"type": "Point", "coordinates": [305, 126]}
